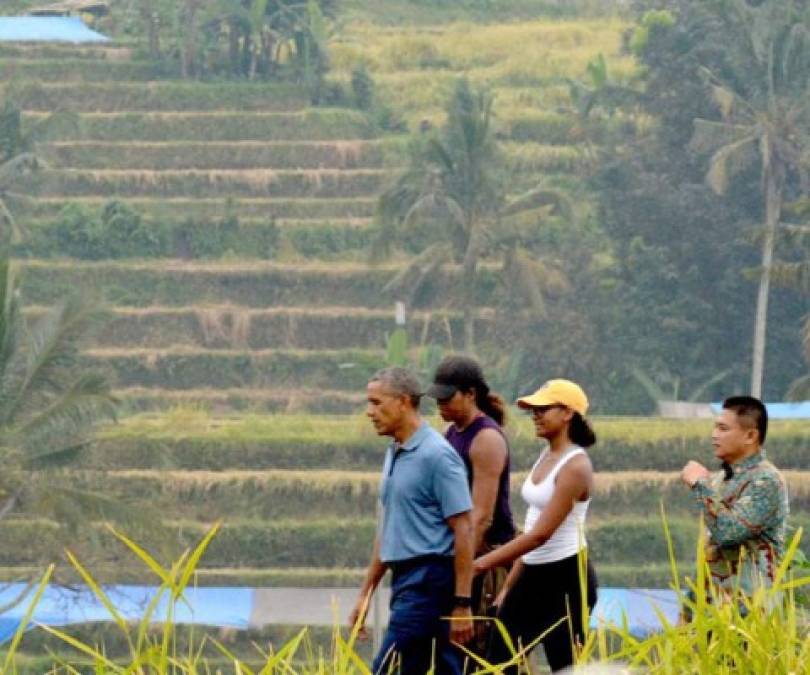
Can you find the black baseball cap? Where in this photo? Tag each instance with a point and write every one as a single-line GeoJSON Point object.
{"type": "Point", "coordinates": [456, 373]}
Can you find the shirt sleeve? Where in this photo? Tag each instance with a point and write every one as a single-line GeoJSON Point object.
{"type": "Point", "coordinates": [450, 484]}
{"type": "Point", "coordinates": [732, 523]}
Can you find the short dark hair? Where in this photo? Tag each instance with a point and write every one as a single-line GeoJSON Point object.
{"type": "Point", "coordinates": [402, 382]}
{"type": "Point", "coordinates": [752, 410]}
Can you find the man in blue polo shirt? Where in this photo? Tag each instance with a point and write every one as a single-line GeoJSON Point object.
{"type": "Point", "coordinates": [425, 536]}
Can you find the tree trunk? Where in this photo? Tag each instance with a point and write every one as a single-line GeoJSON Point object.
{"type": "Point", "coordinates": [188, 60]}
{"type": "Point", "coordinates": [150, 18]}
{"type": "Point", "coordinates": [233, 46]}
{"type": "Point", "coordinates": [469, 267]}
{"type": "Point", "coordinates": [773, 209]}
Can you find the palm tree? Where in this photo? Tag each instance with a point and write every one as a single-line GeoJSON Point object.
{"type": "Point", "coordinates": [764, 123]}
{"type": "Point", "coordinates": [17, 160]}
{"type": "Point", "coordinates": [49, 406]}
{"type": "Point", "coordinates": [799, 389]}
{"type": "Point", "coordinates": [453, 185]}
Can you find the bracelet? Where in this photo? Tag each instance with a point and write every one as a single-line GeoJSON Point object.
{"type": "Point", "coordinates": [462, 601]}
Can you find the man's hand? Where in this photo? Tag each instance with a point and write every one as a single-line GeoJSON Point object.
{"type": "Point", "coordinates": [461, 625]}
{"type": "Point", "coordinates": [358, 616]}
{"type": "Point", "coordinates": [693, 471]}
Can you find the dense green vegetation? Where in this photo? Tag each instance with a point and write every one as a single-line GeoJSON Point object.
{"type": "Point", "coordinates": [216, 177]}
{"type": "Point", "coordinates": [759, 638]}
{"type": "Point", "coordinates": [132, 179]}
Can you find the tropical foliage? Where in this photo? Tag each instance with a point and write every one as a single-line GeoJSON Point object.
{"type": "Point", "coordinates": [17, 160]}
{"type": "Point", "coordinates": [453, 190]}
{"type": "Point", "coordinates": [685, 202]}
{"type": "Point", "coordinates": [49, 405]}
{"type": "Point", "coordinates": [762, 95]}
{"type": "Point", "coordinates": [243, 38]}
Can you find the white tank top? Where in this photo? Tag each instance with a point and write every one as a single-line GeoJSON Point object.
{"type": "Point", "coordinates": [569, 537]}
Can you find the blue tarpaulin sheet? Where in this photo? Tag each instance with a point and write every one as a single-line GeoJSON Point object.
{"type": "Point", "coordinates": [780, 411]}
{"type": "Point", "coordinates": [638, 607]}
{"type": "Point", "coordinates": [47, 29]}
{"type": "Point", "coordinates": [235, 607]}
{"type": "Point", "coordinates": [60, 606]}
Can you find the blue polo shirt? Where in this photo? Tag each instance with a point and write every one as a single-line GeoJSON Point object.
{"type": "Point", "coordinates": [424, 482]}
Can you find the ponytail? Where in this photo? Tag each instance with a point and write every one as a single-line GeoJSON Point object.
{"type": "Point", "coordinates": [491, 405]}
{"type": "Point", "coordinates": [581, 432]}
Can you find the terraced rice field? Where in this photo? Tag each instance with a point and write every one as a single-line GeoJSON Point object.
{"type": "Point", "coordinates": [219, 348]}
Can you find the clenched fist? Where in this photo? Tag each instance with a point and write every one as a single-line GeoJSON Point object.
{"type": "Point", "coordinates": [692, 472]}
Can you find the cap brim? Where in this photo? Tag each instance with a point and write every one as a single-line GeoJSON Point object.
{"type": "Point", "coordinates": [535, 401]}
{"type": "Point", "coordinates": [441, 391]}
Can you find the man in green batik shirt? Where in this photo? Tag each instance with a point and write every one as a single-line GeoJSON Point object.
{"type": "Point", "coordinates": [745, 506]}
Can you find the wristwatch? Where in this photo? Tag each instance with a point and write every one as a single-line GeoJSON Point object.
{"type": "Point", "coordinates": [462, 601]}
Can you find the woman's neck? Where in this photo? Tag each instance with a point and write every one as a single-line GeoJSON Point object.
{"type": "Point", "coordinates": [467, 418]}
{"type": "Point", "coordinates": [559, 444]}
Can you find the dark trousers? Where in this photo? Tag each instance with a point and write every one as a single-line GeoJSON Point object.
{"type": "Point", "coordinates": [422, 593]}
{"type": "Point", "coordinates": [539, 598]}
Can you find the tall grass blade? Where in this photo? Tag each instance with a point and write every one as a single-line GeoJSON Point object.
{"type": "Point", "coordinates": [196, 554]}
{"type": "Point", "coordinates": [100, 594]}
{"type": "Point", "coordinates": [95, 654]}
{"type": "Point", "coordinates": [18, 634]}
{"type": "Point", "coordinates": [145, 557]}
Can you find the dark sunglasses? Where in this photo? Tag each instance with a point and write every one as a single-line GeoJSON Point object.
{"type": "Point", "coordinates": [540, 410]}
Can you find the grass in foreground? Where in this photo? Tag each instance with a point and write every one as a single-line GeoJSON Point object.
{"type": "Point", "coordinates": [766, 634]}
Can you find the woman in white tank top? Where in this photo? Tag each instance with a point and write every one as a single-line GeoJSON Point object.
{"type": "Point", "coordinates": [543, 592]}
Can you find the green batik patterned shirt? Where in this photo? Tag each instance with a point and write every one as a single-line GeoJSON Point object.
{"type": "Point", "coordinates": [745, 518]}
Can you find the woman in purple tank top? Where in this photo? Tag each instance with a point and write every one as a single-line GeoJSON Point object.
{"type": "Point", "coordinates": [476, 416]}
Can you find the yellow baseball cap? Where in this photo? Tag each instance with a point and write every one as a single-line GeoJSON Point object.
{"type": "Point", "coordinates": [557, 392]}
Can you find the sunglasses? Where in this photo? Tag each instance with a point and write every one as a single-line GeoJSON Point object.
{"type": "Point", "coordinates": [540, 410]}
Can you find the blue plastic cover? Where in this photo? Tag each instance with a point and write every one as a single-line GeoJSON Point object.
{"type": "Point", "coordinates": [232, 607]}
{"type": "Point", "coordinates": [47, 29]}
{"type": "Point", "coordinates": [60, 606]}
{"type": "Point", "coordinates": [780, 411]}
{"type": "Point", "coordinates": [638, 607]}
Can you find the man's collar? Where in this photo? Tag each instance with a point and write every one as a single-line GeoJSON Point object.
{"type": "Point", "coordinates": [748, 463]}
{"type": "Point", "coordinates": [413, 441]}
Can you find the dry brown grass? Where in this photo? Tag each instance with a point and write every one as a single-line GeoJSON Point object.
{"type": "Point", "coordinates": [151, 355]}
{"type": "Point", "coordinates": [354, 145]}
{"type": "Point", "coordinates": [611, 481]}
{"type": "Point", "coordinates": [173, 481]}
{"type": "Point", "coordinates": [227, 324]}
{"type": "Point", "coordinates": [175, 114]}
{"type": "Point", "coordinates": [229, 266]}
{"type": "Point", "coordinates": [206, 394]}
{"type": "Point", "coordinates": [257, 178]}
{"type": "Point", "coordinates": [298, 311]}
{"type": "Point", "coordinates": [211, 267]}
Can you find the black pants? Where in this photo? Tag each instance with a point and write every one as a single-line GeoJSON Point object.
{"type": "Point", "coordinates": [539, 598]}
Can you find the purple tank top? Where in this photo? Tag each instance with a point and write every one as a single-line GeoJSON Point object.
{"type": "Point", "coordinates": [503, 527]}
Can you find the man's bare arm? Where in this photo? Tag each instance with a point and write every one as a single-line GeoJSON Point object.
{"type": "Point", "coordinates": [374, 574]}
{"type": "Point", "coordinates": [461, 629]}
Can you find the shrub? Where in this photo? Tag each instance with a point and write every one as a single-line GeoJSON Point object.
{"type": "Point", "coordinates": [124, 234]}
{"type": "Point", "coordinates": [315, 241]}
{"type": "Point", "coordinates": [77, 233]}
{"type": "Point", "coordinates": [118, 231]}
{"type": "Point", "coordinates": [362, 87]}
{"type": "Point", "coordinates": [207, 239]}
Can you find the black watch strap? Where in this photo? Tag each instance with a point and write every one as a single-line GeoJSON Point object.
{"type": "Point", "coordinates": [463, 601]}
